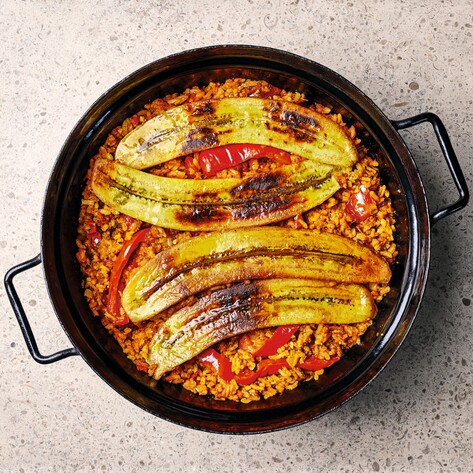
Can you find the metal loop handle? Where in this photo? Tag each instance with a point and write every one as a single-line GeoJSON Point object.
{"type": "Point", "coordinates": [23, 320]}
{"type": "Point", "coordinates": [450, 157]}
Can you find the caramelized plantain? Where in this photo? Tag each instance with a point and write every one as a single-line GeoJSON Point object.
{"type": "Point", "coordinates": [210, 204]}
{"type": "Point", "coordinates": [208, 124]}
{"type": "Point", "coordinates": [245, 307]}
{"type": "Point", "coordinates": [217, 258]}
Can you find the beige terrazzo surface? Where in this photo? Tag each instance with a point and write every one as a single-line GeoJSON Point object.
{"type": "Point", "coordinates": [57, 57]}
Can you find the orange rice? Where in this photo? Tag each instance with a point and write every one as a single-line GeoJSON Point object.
{"type": "Point", "coordinates": [102, 232]}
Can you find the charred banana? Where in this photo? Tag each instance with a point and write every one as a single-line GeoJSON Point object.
{"type": "Point", "coordinates": [257, 253]}
{"type": "Point", "coordinates": [245, 307]}
{"type": "Point", "coordinates": [192, 127]}
{"type": "Point", "coordinates": [212, 204]}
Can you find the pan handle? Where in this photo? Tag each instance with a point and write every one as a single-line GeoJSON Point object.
{"type": "Point", "coordinates": [450, 157]}
{"type": "Point", "coordinates": [23, 320]}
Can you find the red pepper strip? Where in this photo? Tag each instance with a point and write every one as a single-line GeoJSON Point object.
{"type": "Point", "coordinates": [265, 368]}
{"type": "Point", "coordinates": [315, 364]}
{"type": "Point", "coordinates": [279, 338]}
{"type": "Point", "coordinates": [360, 205]}
{"type": "Point", "coordinates": [224, 157]}
{"type": "Point", "coordinates": [221, 363]}
{"type": "Point", "coordinates": [113, 299]}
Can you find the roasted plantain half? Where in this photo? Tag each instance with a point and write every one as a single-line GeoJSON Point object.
{"type": "Point", "coordinates": [217, 258]}
{"type": "Point", "coordinates": [259, 304]}
{"type": "Point", "coordinates": [196, 126]}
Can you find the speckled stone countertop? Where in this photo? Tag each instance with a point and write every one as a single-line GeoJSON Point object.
{"type": "Point", "coordinates": [59, 56]}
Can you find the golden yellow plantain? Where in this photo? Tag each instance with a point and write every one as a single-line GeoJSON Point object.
{"type": "Point", "coordinates": [192, 127]}
{"type": "Point", "coordinates": [213, 204]}
{"type": "Point", "coordinates": [245, 307]}
{"type": "Point", "coordinates": [219, 258]}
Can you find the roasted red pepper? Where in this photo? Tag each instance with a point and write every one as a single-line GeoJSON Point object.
{"type": "Point", "coordinates": [216, 159]}
{"type": "Point", "coordinates": [265, 368]}
{"type": "Point", "coordinates": [113, 299]}
{"type": "Point", "coordinates": [279, 338]}
{"type": "Point", "coordinates": [220, 363]}
{"type": "Point", "coordinates": [315, 364]}
{"type": "Point", "coordinates": [360, 205]}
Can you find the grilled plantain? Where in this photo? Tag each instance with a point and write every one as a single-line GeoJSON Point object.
{"type": "Point", "coordinates": [210, 204]}
{"type": "Point", "coordinates": [257, 253]}
{"type": "Point", "coordinates": [196, 126]}
{"type": "Point", "coordinates": [245, 307]}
